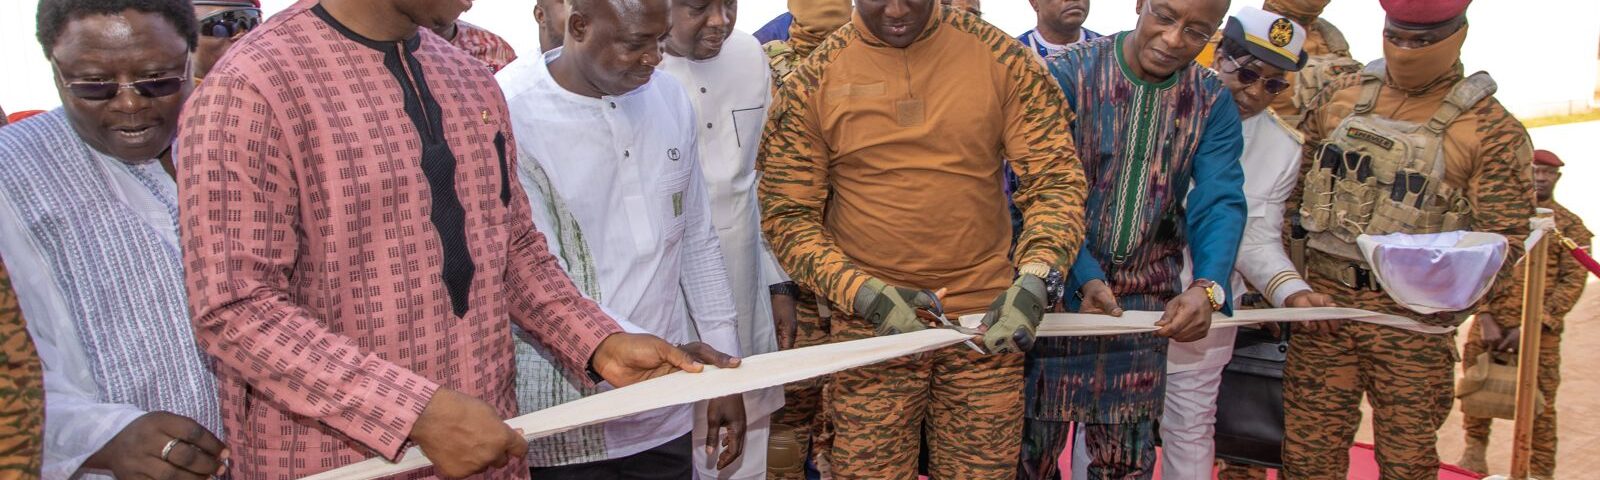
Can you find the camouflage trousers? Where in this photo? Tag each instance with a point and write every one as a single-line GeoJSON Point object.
{"type": "Point", "coordinates": [1235, 471]}
{"type": "Point", "coordinates": [1543, 463]}
{"type": "Point", "coordinates": [1408, 378]}
{"type": "Point", "coordinates": [803, 403]}
{"type": "Point", "coordinates": [970, 404]}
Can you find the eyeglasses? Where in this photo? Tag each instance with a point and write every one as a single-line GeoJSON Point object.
{"type": "Point", "coordinates": [1193, 34]}
{"type": "Point", "coordinates": [227, 23]}
{"type": "Point", "coordinates": [1248, 77]}
{"type": "Point", "coordinates": [150, 88]}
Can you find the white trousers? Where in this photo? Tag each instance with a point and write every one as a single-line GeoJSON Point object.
{"type": "Point", "coordinates": [750, 465]}
{"type": "Point", "coordinates": [1188, 424]}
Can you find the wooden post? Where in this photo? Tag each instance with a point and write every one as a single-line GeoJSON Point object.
{"type": "Point", "coordinates": [1528, 351]}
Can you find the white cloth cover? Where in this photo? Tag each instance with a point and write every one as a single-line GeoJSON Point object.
{"type": "Point", "coordinates": [1431, 273]}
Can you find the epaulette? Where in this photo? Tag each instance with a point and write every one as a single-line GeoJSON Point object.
{"type": "Point", "coordinates": [1293, 132]}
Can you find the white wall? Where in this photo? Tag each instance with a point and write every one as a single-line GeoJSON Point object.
{"type": "Point", "coordinates": [1542, 52]}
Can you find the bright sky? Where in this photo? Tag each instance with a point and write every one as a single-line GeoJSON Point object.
{"type": "Point", "coordinates": [1543, 53]}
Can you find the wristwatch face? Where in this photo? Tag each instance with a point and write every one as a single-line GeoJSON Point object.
{"type": "Point", "coordinates": [1217, 298]}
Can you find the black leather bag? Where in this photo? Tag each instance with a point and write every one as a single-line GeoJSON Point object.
{"type": "Point", "coordinates": [1250, 400]}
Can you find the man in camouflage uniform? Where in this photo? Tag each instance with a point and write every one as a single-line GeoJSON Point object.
{"type": "Point", "coordinates": [21, 391]}
{"type": "Point", "coordinates": [1473, 176]}
{"type": "Point", "coordinates": [1329, 56]}
{"type": "Point", "coordinates": [906, 163]}
{"type": "Point", "coordinates": [803, 413]}
{"type": "Point", "coordinates": [1564, 282]}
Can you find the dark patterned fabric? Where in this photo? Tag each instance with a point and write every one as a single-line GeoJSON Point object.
{"type": "Point", "coordinates": [1147, 148]}
{"type": "Point", "coordinates": [1109, 379]}
{"type": "Point", "coordinates": [315, 166]}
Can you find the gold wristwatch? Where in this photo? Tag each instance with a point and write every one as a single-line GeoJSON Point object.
{"type": "Point", "coordinates": [1214, 293]}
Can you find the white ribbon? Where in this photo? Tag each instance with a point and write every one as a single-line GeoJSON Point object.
{"type": "Point", "coordinates": [777, 368]}
{"type": "Point", "coordinates": [1086, 325]}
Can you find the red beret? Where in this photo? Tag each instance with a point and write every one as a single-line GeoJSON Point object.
{"type": "Point", "coordinates": [1424, 12]}
{"type": "Point", "coordinates": [1546, 157]}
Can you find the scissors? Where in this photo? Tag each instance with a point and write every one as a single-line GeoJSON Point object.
{"type": "Point", "coordinates": [938, 313]}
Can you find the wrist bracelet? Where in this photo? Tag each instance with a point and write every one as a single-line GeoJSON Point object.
{"type": "Point", "coordinates": [786, 288]}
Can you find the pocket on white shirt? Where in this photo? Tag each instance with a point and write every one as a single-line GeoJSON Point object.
{"type": "Point", "coordinates": [671, 199]}
{"type": "Point", "coordinates": [747, 125]}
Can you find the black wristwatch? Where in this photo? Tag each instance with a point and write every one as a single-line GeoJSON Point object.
{"type": "Point", "coordinates": [786, 288]}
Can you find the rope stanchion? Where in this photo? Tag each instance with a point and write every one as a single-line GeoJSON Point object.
{"type": "Point", "coordinates": [1538, 250]}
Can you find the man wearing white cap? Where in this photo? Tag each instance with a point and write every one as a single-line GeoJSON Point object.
{"type": "Point", "coordinates": [1255, 53]}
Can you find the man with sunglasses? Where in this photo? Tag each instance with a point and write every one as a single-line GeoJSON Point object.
{"type": "Point", "coordinates": [357, 247]}
{"type": "Point", "coordinates": [222, 22]}
{"type": "Point", "coordinates": [1475, 175]}
{"type": "Point", "coordinates": [1160, 140]}
{"type": "Point", "coordinates": [89, 233]}
{"type": "Point", "coordinates": [1256, 51]}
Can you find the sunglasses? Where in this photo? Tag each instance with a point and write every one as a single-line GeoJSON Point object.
{"type": "Point", "coordinates": [227, 23]}
{"type": "Point", "coordinates": [150, 88]}
{"type": "Point", "coordinates": [1249, 77]}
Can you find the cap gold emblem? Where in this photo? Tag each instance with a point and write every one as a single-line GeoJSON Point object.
{"type": "Point", "coordinates": [1281, 33]}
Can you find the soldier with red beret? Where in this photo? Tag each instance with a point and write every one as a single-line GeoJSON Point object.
{"type": "Point", "coordinates": [1412, 146]}
{"type": "Point", "coordinates": [1564, 280]}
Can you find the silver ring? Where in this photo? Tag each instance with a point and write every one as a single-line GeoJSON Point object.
{"type": "Point", "coordinates": [167, 450]}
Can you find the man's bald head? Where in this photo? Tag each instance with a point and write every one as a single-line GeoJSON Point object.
{"type": "Point", "coordinates": [613, 46]}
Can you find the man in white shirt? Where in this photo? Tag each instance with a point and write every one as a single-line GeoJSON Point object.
{"type": "Point", "coordinates": [1256, 51]}
{"type": "Point", "coordinates": [609, 157]}
{"type": "Point", "coordinates": [89, 233]}
{"type": "Point", "coordinates": [724, 73]}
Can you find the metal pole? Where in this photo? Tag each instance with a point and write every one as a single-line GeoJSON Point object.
{"type": "Point", "coordinates": [1528, 351]}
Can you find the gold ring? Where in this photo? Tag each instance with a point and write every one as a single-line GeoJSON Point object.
{"type": "Point", "coordinates": [167, 450]}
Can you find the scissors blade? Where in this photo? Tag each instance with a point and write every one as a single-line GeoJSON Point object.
{"type": "Point", "coordinates": [938, 312]}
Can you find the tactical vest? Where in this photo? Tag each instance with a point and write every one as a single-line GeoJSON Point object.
{"type": "Point", "coordinates": [1376, 175]}
{"type": "Point", "coordinates": [1321, 70]}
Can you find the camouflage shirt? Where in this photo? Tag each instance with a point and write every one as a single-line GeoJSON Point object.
{"type": "Point", "coordinates": [21, 391]}
{"type": "Point", "coordinates": [1488, 155]}
{"type": "Point", "coordinates": [1564, 276]}
{"type": "Point", "coordinates": [902, 148]}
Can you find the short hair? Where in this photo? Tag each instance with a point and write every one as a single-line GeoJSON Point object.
{"type": "Point", "coordinates": [54, 15]}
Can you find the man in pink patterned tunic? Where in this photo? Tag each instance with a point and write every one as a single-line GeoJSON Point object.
{"type": "Point", "coordinates": [355, 241]}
